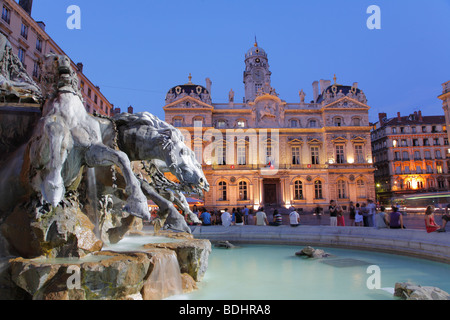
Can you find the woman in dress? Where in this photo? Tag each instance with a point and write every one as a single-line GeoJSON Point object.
{"type": "Point", "coordinates": [430, 224]}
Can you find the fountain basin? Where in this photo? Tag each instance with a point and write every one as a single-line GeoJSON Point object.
{"type": "Point", "coordinates": [149, 272]}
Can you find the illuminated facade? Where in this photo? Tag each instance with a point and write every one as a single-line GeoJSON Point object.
{"type": "Point", "coordinates": [410, 155]}
{"type": "Point", "coordinates": [266, 151]}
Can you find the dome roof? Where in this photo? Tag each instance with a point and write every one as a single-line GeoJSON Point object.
{"type": "Point", "coordinates": [256, 51]}
{"type": "Point", "coordinates": [188, 89]}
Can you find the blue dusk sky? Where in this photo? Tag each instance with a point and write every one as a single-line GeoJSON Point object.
{"type": "Point", "coordinates": [137, 50]}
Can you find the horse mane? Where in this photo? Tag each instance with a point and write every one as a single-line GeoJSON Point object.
{"type": "Point", "coordinates": [148, 119]}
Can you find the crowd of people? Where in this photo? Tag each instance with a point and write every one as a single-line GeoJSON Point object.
{"type": "Point", "coordinates": [359, 215]}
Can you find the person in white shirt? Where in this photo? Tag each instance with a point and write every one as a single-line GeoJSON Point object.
{"type": "Point", "coordinates": [372, 213]}
{"type": "Point", "coordinates": [226, 218]}
{"type": "Point", "coordinates": [261, 218]}
{"type": "Point", "coordinates": [294, 219]}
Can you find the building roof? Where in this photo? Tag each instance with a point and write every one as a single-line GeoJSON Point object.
{"type": "Point", "coordinates": [414, 119]}
{"type": "Point", "coordinates": [339, 87]}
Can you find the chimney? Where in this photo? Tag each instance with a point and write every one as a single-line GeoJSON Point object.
{"type": "Point", "coordinates": [26, 5]}
{"type": "Point", "coordinates": [130, 109]}
{"type": "Point", "coordinates": [322, 86]}
{"type": "Point", "coordinates": [80, 67]}
{"type": "Point", "coordinates": [382, 117]}
{"type": "Point", "coordinates": [420, 116]}
{"type": "Point", "coordinates": [41, 24]}
{"type": "Point", "coordinates": [399, 117]}
{"type": "Point", "coordinates": [315, 90]}
{"type": "Point", "coordinates": [208, 85]}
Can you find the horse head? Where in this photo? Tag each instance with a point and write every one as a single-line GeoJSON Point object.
{"type": "Point", "coordinates": [181, 161]}
{"type": "Point", "coordinates": [143, 136]}
{"type": "Point", "coordinates": [58, 75]}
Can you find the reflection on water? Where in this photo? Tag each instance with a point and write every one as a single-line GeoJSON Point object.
{"type": "Point", "coordinates": [275, 273]}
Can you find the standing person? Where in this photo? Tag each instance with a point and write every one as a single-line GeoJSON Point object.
{"type": "Point", "coordinates": [352, 213]}
{"type": "Point", "coordinates": [294, 218]}
{"type": "Point", "coordinates": [333, 213]}
{"type": "Point", "coordinates": [205, 217]}
{"type": "Point", "coordinates": [318, 214]}
{"type": "Point", "coordinates": [261, 218]}
{"type": "Point", "coordinates": [372, 210]}
{"type": "Point", "coordinates": [233, 216]}
{"type": "Point", "coordinates": [430, 224]}
{"type": "Point", "coordinates": [238, 217]}
{"type": "Point", "coordinates": [226, 218]}
{"type": "Point", "coordinates": [340, 216]}
{"type": "Point", "coordinates": [382, 220]}
{"type": "Point", "coordinates": [365, 214]}
{"type": "Point", "coordinates": [396, 219]}
{"type": "Point", "coordinates": [359, 219]}
{"type": "Point", "coordinates": [246, 215]}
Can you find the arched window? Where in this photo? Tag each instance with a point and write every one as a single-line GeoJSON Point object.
{"type": "Point", "coordinates": [222, 195]}
{"type": "Point", "coordinates": [318, 190]}
{"type": "Point", "coordinates": [298, 190]}
{"type": "Point", "coordinates": [361, 189]}
{"type": "Point", "coordinates": [243, 191]}
{"type": "Point", "coordinates": [313, 123]}
{"type": "Point", "coordinates": [342, 189]}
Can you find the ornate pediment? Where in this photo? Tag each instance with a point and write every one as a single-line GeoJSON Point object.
{"type": "Point", "coordinates": [188, 102]}
{"type": "Point", "coordinates": [346, 103]}
{"type": "Point", "coordinates": [295, 140]}
{"type": "Point", "coordinates": [312, 141]}
{"type": "Point", "coordinates": [358, 139]}
{"type": "Point", "coordinates": [339, 139]}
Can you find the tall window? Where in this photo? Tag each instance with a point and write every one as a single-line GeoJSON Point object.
{"type": "Point", "coordinates": [21, 55]}
{"type": "Point", "coordinates": [39, 44]}
{"type": "Point", "coordinates": [340, 157]}
{"type": "Point", "coordinates": [24, 31]}
{"type": "Point", "coordinates": [313, 123]}
{"type": "Point", "coordinates": [6, 15]}
{"type": "Point", "coordinates": [405, 155]}
{"type": "Point", "coordinates": [36, 69]}
{"type": "Point", "coordinates": [359, 154]}
{"type": "Point", "coordinates": [438, 154]}
{"type": "Point", "coordinates": [361, 189]}
{"type": "Point", "coordinates": [176, 122]}
{"type": "Point", "coordinates": [221, 156]}
{"type": "Point", "coordinates": [318, 192]}
{"type": "Point", "coordinates": [342, 189]}
{"type": "Point", "coordinates": [198, 151]}
{"type": "Point", "coordinates": [298, 190]}
{"type": "Point", "coordinates": [241, 155]}
{"type": "Point", "coordinates": [269, 154]}
{"type": "Point", "coordinates": [295, 155]}
{"type": "Point", "coordinates": [243, 191]}
{"type": "Point", "coordinates": [222, 191]}
{"type": "Point", "coordinates": [258, 86]}
{"type": "Point", "coordinates": [315, 155]}
{"type": "Point", "coordinates": [338, 122]}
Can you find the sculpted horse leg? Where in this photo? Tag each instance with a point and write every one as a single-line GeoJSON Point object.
{"type": "Point", "coordinates": [101, 156]}
{"type": "Point", "coordinates": [173, 219]}
{"type": "Point", "coordinates": [50, 152]}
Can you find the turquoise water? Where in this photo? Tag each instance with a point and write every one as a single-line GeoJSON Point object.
{"type": "Point", "coordinates": [262, 272]}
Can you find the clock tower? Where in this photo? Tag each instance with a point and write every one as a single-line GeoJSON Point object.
{"type": "Point", "coordinates": [256, 74]}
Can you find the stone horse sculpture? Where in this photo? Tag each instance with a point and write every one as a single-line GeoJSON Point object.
{"type": "Point", "coordinates": [144, 137]}
{"type": "Point", "coordinates": [65, 140]}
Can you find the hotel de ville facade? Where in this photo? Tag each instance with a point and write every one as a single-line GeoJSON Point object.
{"type": "Point", "coordinates": [265, 151]}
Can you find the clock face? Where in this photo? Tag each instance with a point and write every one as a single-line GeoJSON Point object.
{"type": "Point", "coordinates": [258, 75]}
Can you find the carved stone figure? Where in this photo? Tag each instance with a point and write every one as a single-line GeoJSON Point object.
{"type": "Point", "coordinates": [14, 80]}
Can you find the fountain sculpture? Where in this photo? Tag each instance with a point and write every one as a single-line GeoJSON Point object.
{"type": "Point", "coordinates": [71, 188]}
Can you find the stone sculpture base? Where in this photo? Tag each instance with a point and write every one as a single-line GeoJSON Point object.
{"type": "Point", "coordinates": [106, 275]}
